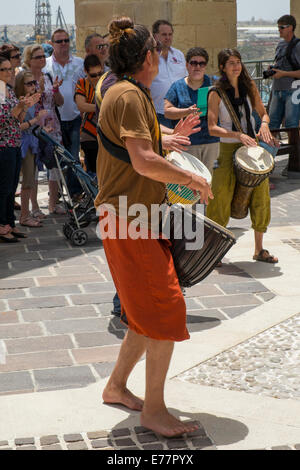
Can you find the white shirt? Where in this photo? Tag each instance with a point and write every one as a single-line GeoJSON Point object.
{"type": "Point", "coordinates": [70, 74]}
{"type": "Point", "coordinates": [226, 121]}
{"type": "Point", "coordinates": [170, 70]}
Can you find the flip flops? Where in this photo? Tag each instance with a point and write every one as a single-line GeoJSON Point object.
{"type": "Point", "coordinates": [38, 214]}
{"type": "Point", "coordinates": [265, 256]}
{"type": "Point", "coordinates": [30, 222]}
{"type": "Point", "coordinates": [5, 239]}
{"type": "Point", "coordinates": [18, 234]}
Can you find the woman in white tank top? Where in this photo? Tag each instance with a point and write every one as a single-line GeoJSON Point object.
{"type": "Point", "coordinates": [244, 97]}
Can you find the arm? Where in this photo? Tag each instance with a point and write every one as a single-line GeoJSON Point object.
{"type": "Point", "coordinates": [217, 131]}
{"type": "Point", "coordinates": [264, 131]}
{"type": "Point", "coordinates": [149, 164]}
{"type": "Point", "coordinates": [284, 73]}
{"type": "Point", "coordinates": [171, 112]}
{"type": "Point", "coordinates": [57, 96]}
{"type": "Point", "coordinates": [83, 106]}
{"type": "Point", "coordinates": [36, 121]}
{"type": "Point", "coordinates": [18, 111]}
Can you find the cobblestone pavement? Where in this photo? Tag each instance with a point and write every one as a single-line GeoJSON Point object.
{"type": "Point", "coordinates": [57, 331]}
{"type": "Point", "coordinates": [268, 364]}
{"type": "Point", "coordinates": [137, 438]}
{"type": "Point", "coordinates": [56, 326]}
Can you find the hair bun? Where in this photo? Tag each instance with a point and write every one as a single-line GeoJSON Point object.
{"type": "Point", "coordinates": [120, 26]}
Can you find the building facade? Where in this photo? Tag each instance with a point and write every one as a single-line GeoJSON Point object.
{"type": "Point", "coordinates": [207, 23]}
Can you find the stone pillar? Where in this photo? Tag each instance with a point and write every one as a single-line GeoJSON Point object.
{"type": "Point", "coordinates": [295, 11]}
{"type": "Point", "coordinates": [207, 23]}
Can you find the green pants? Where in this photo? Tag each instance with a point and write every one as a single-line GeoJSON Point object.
{"type": "Point", "coordinates": [223, 184]}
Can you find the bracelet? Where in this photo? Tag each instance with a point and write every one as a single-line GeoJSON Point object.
{"type": "Point", "coordinates": [55, 90]}
{"type": "Point", "coordinates": [265, 122]}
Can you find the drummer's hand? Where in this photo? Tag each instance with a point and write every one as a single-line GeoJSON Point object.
{"type": "Point", "coordinates": [247, 141]}
{"type": "Point", "coordinates": [175, 142]}
{"type": "Point", "coordinates": [188, 125]}
{"type": "Point", "coordinates": [265, 134]}
{"type": "Point", "coordinates": [200, 184]}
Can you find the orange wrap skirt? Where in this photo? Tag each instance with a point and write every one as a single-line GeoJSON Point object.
{"type": "Point", "coordinates": [147, 284]}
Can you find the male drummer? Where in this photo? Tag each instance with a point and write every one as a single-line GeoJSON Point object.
{"type": "Point", "coordinates": [142, 269]}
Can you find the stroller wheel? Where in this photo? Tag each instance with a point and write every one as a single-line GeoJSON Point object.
{"type": "Point", "coordinates": [79, 238]}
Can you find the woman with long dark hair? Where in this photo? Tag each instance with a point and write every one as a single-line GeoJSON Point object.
{"type": "Point", "coordinates": [244, 97]}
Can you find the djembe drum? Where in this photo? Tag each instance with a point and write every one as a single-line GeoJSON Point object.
{"type": "Point", "coordinates": [252, 166]}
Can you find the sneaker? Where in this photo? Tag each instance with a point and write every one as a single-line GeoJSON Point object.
{"type": "Point", "coordinates": [116, 313]}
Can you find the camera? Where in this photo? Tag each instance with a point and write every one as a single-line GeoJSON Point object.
{"type": "Point", "coordinates": [269, 73]}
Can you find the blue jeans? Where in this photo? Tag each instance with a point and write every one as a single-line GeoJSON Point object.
{"type": "Point", "coordinates": [71, 140]}
{"type": "Point", "coordinates": [10, 165]}
{"type": "Point", "coordinates": [282, 107]}
{"type": "Point", "coordinates": [117, 303]}
{"type": "Point", "coordinates": [166, 122]}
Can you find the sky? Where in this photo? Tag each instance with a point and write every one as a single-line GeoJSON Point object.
{"type": "Point", "coordinates": [22, 11]}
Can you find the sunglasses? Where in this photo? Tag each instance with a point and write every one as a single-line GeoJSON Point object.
{"type": "Point", "coordinates": [283, 26]}
{"type": "Point", "coordinates": [102, 46]}
{"type": "Point", "coordinates": [17, 56]}
{"type": "Point", "coordinates": [6, 70]}
{"type": "Point", "coordinates": [37, 57]}
{"type": "Point", "coordinates": [60, 41]}
{"type": "Point", "coordinates": [95, 75]}
{"type": "Point", "coordinates": [31, 83]}
{"type": "Point", "coordinates": [194, 63]}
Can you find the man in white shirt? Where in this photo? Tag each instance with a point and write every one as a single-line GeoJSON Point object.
{"type": "Point", "coordinates": [70, 69]}
{"type": "Point", "coordinates": [172, 67]}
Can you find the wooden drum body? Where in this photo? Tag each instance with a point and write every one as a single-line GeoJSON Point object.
{"type": "Point", "coordinates": [252, 165]}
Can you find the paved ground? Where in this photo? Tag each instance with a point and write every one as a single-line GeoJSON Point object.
{"type": "Point", "coordinates": [57, 332]}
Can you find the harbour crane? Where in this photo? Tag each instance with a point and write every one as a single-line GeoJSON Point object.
{"type": "Point", "coordinates": [43, 27]}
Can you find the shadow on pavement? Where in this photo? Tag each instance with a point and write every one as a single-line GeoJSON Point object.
{"type": "Point", "coordinates": [269, 270]}
{"type": "Point", "coordinates": [222, 431]}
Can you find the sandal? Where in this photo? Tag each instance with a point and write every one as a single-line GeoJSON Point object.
{"type": "Point", "coordinates": [18, 234]}
{"type": "Point", "coordinates": [58, 210]}
{"type": "Point", "coordinates": [29, 222]}
{"type": "Point", "coordinates": [5, 229]}
{"type": "Point", "coordinates": [265, 256]}
{"type": "Point", "coordinates": [5, 239]}
{"type": "Point", "coordinates": [38, 214]}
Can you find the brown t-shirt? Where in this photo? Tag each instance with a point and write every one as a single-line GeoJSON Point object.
{"type": "Point", "coordinates": [126, 112]}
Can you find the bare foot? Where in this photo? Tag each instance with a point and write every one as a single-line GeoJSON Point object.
{"type": "Point", "coordinates": [166, 424]}
{"type": "Point", "coordinates": [114, 396]}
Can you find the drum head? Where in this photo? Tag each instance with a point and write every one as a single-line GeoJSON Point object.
{"type": "Point", "coordinates": [189, 163]}
{"type": "Point", "coordinates": [254, 159]}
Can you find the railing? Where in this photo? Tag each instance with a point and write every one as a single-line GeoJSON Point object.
{"type": "Point", "coordinates": [256, 68]}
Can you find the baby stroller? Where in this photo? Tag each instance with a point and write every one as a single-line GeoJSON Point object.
{"type": "Point", "coordinates": [81, 213]}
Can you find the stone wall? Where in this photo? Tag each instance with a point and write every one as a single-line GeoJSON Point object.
{"type": "Point", "coordinates": [207, 23]}
{"type": "Point", "coordinates": [295, 11]}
